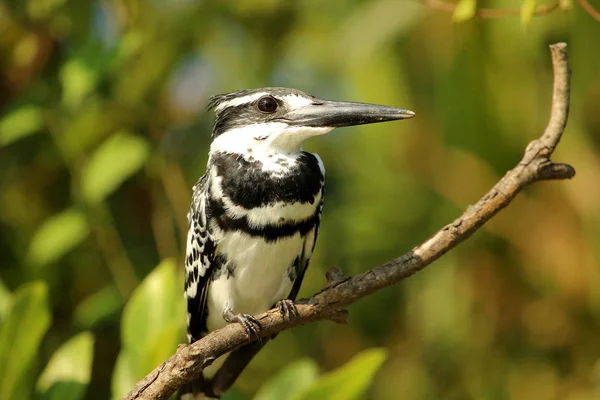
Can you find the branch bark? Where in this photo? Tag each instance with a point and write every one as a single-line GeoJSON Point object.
{"type": "Point", "coordinates": [187, 363]}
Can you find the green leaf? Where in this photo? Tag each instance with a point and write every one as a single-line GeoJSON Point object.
{"type": "Point", "coordinates": [98, 307]}
{"type": "Point", "coordinates": [349, 381]}
{"type": "Point", "coordinates": [124, 376]}
{"type": "Point", "coordinates": [233, 394]}
{"type": "Point", "coordinates": [58, 235]}
{"type": "Point", "coordinates": [465, 10]}
{"type": "Point", "coordinates": [152, 326]}
{"type": "Point", "coordinates": [527, 11]}
{"type": "Point", "coordinates": [78, 80]}
{"type": "Point", "coordinates": [69, 370]}
{"type": "Point", "coordinates": [118, 158]}
{"type": "Point", "coordinates": [42, 9]}
{"type": "Point", "coordinates": [290, 382]}
{"type": "Point", "coordinates": [565, 5]}
{"type": "Point", "coordinates": [20, 337]}
{"type": "Point", "coordinates": [5, 296]}
{"type": "Point", "coordinates": [20, 123]}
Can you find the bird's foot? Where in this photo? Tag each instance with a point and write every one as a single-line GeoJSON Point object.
{"type": "Point", "coordinates": [248, 322]}
{"type": "Point", "coordinates": [288, 309]}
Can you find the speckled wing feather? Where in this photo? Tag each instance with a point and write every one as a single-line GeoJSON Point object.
{"type": "Point", "coordinates": [309, 246]}
{"type": "Point", "coordinates": [200, 251]}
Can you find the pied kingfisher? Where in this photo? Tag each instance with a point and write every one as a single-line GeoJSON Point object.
{"type": "Point", "coordinates": [255, 214]}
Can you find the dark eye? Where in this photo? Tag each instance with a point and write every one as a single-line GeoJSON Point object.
{"type": "Point", "coordinates": [267, 104]}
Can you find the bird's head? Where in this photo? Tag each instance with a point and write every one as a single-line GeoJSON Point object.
{"type": "Point", "coordinates": [280, 119]}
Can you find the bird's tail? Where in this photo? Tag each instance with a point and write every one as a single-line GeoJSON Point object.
{"type": "Point", "coordinates": [226, 374]}
{"type": "Point", "coordinates": [234, 365]}
{"type": "Point", "coordinates": [199, 389]}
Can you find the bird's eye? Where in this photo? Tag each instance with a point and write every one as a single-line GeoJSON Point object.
{"type": "Point", "coordinates": [267, 104]}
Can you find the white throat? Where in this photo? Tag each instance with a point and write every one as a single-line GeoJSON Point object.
{"type": "Point", "coordinates": [266, 138]}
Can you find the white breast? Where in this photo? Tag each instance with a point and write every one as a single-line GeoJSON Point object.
{"type": "Point", "coordinates": [259, 279]}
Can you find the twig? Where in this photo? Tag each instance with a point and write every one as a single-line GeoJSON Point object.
{"type": "Point", "coordinates": [187, 363]}
{"type": "Point", "coordinates": [589, 9]}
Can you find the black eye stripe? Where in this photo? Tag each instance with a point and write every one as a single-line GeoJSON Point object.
{"type": "Point", "coordinates": [239, 115]}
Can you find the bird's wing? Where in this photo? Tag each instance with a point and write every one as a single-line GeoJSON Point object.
{"type": "Point", "coordinates": [309, 246]}
{"type": "Point", "coordinates": [200, 251]}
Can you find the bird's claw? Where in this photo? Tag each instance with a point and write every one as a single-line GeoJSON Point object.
{"type": "Point", "coordinates": [248, 322]}
{"type": "Point", "coordinates": [288, 309]}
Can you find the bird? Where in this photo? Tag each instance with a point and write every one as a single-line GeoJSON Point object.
{"type": "Point", "coordinates": [255, 213]}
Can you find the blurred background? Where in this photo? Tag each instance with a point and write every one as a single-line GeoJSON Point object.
{"type": "Point", "coordinates": [103, 132]}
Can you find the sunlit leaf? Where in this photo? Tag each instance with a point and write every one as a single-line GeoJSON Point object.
{"type": "Point", "coordinates": [565, 5]}
{"type": "Point", "coordinates": [349, 381]}
{"type": "Point", "coordinates": [20, 334]}
{"type": "Point", "coordinates": [69, 370]}
{"type": "Point", "coordinates": [95, 120]}
{"type": "Point", "coordinates": [152, 326]}
{"type": "Point", "coordinates": [5, 296]}
{"type": "Point", "coordinates": [57, 236]}
{"type": "Point", "coordinates": [124, 376]}
{"type": "Point", "coordinates": [465, 10]}
{"type": "Point", "coordinates": [20, 123]}
{"type": "Point", "coordinates": [77, 80]}
{"type": "Point", "coordinates": [119, 157]}
{"type": "Point", "coordinates": [98, 307]}
{"type": "Point", "coordinates": [41, 9]}
{"type": "Point", "coordinates": [527, 11]}
{"type": "Point", "coordinates": [290, 382]}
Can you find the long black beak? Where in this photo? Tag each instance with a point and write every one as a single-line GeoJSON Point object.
{"type": "Point", "coordinates": [336, 114]}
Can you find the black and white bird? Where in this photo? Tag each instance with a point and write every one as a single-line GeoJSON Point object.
{"type": "Point", "coordinates": [255, 214]}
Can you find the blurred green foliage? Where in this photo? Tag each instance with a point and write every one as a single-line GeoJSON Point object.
{"type": "Point", "coordinates": [68, 372]}
{"type": "Point", "coordinates": [151, 327]}
{"type": "Point", "coordinates": [103, 132]}
{"type": "Point", "coordinates": [20, 335]}
{"type": "Point", "coordinates": [300, 381]}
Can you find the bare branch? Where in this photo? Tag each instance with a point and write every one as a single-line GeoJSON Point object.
{"type": "Point", "coordinates": [187, 363]}
{"type": "Point", "coordinates": [590, 9]}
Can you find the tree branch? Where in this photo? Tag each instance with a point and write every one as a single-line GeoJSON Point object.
{"type": "Point", "coordinates": [590, 9]}
{"type": "Point", "coordinates": [187, 363]}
